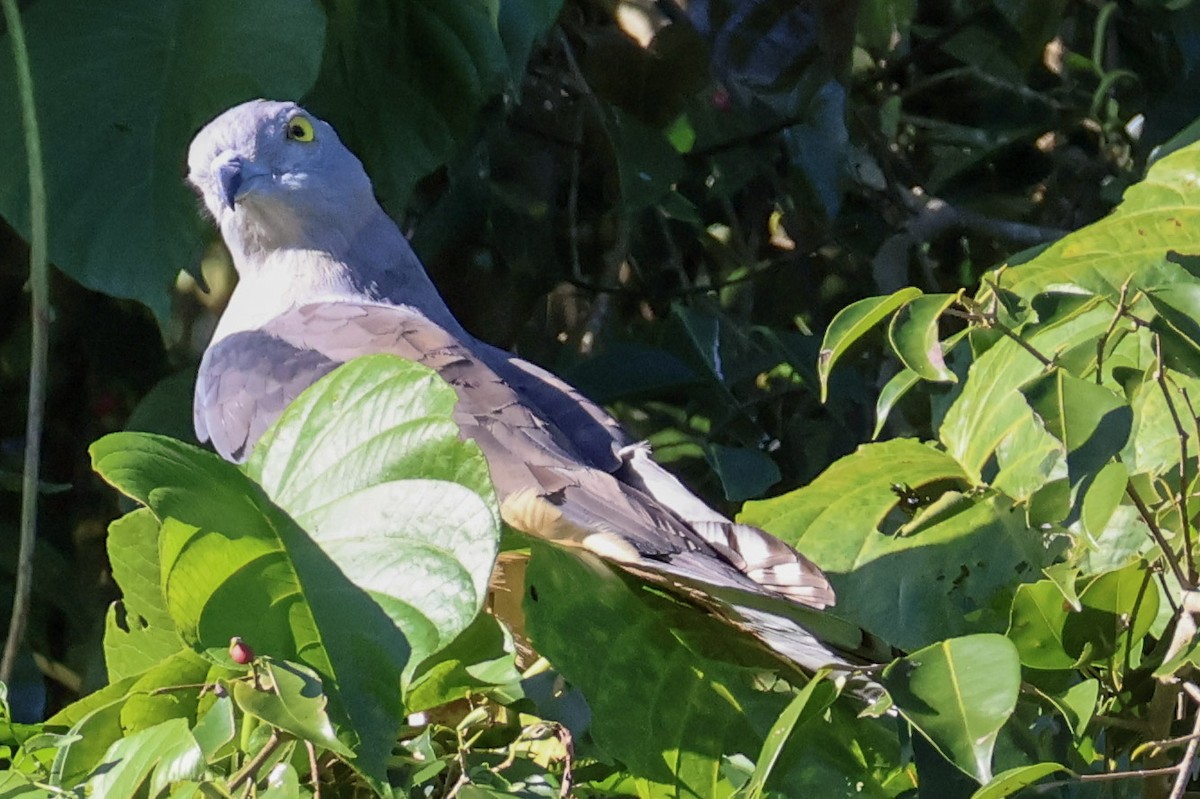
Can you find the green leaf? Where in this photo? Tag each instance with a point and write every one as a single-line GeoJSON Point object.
{"type": "Point", "coordinates": [369, 462]}
{"type": "Point", "coordinates": [852, 323]}
{"type": "Point", "coordinates": [990, 408]}
{"type": "Point", "coordinates": [913, 333]}
{"type": "Point", "coordinates": [950, 569]}
{"type": "Point", "coordinates": [1039, 613]}
{"type": "Point", "coordinates": [801, 709]}
{"type": "Point", "coordinates": [169, 66]}
{"type": "Point", "coordinates": [891, 393]}
{"type": "Point", "coordinates": [1006, 783]}
{"type": "Point", "coordinates": [168, 691]}
{"type": "Point", "coordinates": [216, 728]}
{"type": "Point", "coordinates": [483, 656]}
{"type": "Point", "coordinates": [233, 564]}
{"type": "Point", "coordinates": [290, 697]}
{"type": "Point", "coordinates": [91, 724]}
{"type": "Point", "coordinates": [1154, 442]}
{"type": "Point", "coordinates": [1103, 497]}
{"type": "Point", "coordinates": [1077, 705]}
{"type": "Point", "coordinates": [394, 560]}
{"type": "Point", "coordinates": [1119, 608]}
{"type": "Point", "coordinates": [282, 783]}
{"type": "Point", "coordinates": [139, 632]}
{"type": "Point", "coordinates": [959, 693]}
{"type": "Point", "coordinates": [163, 754]}
{"type": "Point", "coordinates": [1091, 421]}
{"type": "Point", "coordinates": [15, 785]}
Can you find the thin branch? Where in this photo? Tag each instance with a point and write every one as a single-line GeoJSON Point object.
{"type": "Point", "coordinates": [1189, 756]}
{"type": "Point", "coordinates": [1102, 343]}
{"type": "Point", "coordinates": [974, 316]}
{"type": "Point", "coordinates": [1160, 375]}
{"type": "Point", "coordinates": [251, 768]}
{"type": "Point", "coordinates": [1109, 776]}
{"type": "Point", "coordinates": [313, 772]}
{"type": "Point", "coordinates": [1168, 554]}
{"type": "Point", "coordinates": [39, 283]}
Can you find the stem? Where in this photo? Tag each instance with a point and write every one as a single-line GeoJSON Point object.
{"type": "Point", "coordinates": [1168, 555]}
{"type": "Point", "coordinates": [39, 284]}
{"type": "Point", "coordinates": [254, 765]}
{"type": "Point", "coordinates": [1189, 757]}
{"type": "Point", "coordinates": [1112, 326]}
{"type": "Point", "coordinates": [1160, 375]}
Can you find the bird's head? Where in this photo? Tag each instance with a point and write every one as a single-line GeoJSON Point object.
{"type": "Point", "coordinates": [273, 175]}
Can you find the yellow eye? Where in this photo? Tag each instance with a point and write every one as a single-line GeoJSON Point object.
{"type": "Point", "coordinates": [299, 129]}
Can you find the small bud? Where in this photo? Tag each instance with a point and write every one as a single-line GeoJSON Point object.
{"type": "Point", "coordinates": [720, 99]}
{"type": "Point", "coordinates": [240, 651]}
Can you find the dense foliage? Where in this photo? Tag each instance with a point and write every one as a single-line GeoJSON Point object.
{"type": "Point", "coordinates": [991, 450]}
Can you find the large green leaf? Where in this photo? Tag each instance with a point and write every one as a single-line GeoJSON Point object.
{"type": "Point", "coordinates": [949, 568]}
{"type": "Point", "coordinates": [370, 464]}
{"type": "Point", "coordinates": [959, 693]}
{"type": "Point", "coordinates": [122, 86]}
{"type": "Point", "coordinates": [397, 564]}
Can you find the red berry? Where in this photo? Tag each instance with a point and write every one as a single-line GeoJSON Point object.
{"type": "Point", "coordinates": [720, 99]}
{"type": "Point", "coordinates": [240, 651]}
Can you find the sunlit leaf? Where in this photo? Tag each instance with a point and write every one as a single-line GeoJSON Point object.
{"type": "Point", "coordinates": [289, 696]}
{"type": "Point", "coordinates": [913, 333]}
{"type": "Point", "coordinates": [959, 693]}
{"type": "Point", "coordinates": [1006, 783]}
{"type": "Point", "coordinates": [891, 393]}
{"type": "Point", "coordinates": [162, 755]}
{"type": "Point", "coordinates": [1039, 613]}
{"type": "Point", "coordinates": [396, 561]}
{"type": "Point", "coordinates": [852, 323]}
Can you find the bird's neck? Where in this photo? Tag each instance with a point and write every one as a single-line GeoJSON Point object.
{"type": "Point", "coordinates": [374, 264]}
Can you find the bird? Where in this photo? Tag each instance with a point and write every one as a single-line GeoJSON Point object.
{"type": "Point", "coordinates": [325, 275]}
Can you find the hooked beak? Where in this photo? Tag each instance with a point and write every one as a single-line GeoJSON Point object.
{"type": "Point", "coordinates": [234, 178]}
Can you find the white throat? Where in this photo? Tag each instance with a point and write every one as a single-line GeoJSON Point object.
{"type": "Point", "coordinates": [278, 281]}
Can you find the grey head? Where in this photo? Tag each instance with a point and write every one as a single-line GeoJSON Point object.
{"type": "Point", "coordinates": [274, 176]}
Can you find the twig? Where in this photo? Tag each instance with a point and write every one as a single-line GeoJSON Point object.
{"type": "Point", "coordinates": [1112, 326]}
{"type": "Point", "coordinates": [251, 768]}
{"type": "Point", "coordinates": [1189, 756]}
{"type": "Point", "coordinates": [1160, 375]}
{"type": "Point", "coordinates": [1109, 776]}
{"type": "Point", "coordinates": [39, 284]}
{"type": "Point", "coordinates": [314, 773]}
{"type": "Point", "coordinates": [974, 316]}
{"type": "Point", "coordinates": [1169, 555]}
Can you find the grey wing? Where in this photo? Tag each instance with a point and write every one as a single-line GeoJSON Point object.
{"type": "Point", "coordinates": [601, 442]}
{"type": "Point", "coordinates": [245, 382]}
{"type": "Point", "coordinates": [546, 485]}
